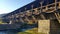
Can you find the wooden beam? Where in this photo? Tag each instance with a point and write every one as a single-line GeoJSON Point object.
{"type": "Point", "coordinates": [59, 5]}
{"type": "Point", "coordinates": [42, 16]}
{"type": "Point", "coordinates": [57, 17]}
{"type": "Point", "coordinates": [36, 12]}
{"type": "Point", "coordinates": [21, 20]}
{"type": "Point", "coordinates": [26, 18]}
{"type": "Point", "coordinates": [33, 17]}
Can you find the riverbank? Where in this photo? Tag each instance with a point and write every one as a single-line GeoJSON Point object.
{"type": "Point", "coordinates": [30, 31]}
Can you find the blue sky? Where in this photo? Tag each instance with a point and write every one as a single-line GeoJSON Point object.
{"type": "Point", "coordinates": [7, 6]}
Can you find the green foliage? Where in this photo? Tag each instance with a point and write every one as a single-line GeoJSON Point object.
{"type": "Point", "coordinates": [24, 33]}
{"type": "Point", "coordinates": [1, 22]}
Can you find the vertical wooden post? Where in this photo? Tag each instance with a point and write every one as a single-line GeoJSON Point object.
{"type": "Point", "coordinates": [46, 7]}
{"type": "Point", "coordinates": [41, 10]}
{"type": "Point", "coordinates": [41, 5]}
{"type": "Point", "coordinates": [55, 4]}
{"type": "Point", "coordinates": [59, 5]}
{"type": "Point", "coordinates": [33, 15]}
{"type": "Point", "coordinates": [25, 9]}
{"type": "Point", "coordinates": [26, 18]}
{"type": "Point", "coordinates": [32, 9]}
{"type": "Point", "coordinates": [16, 16]}
{"type": "Point", "coordinates": [11, 20]}
{"type": "Point", "coordinates": [21, 20]}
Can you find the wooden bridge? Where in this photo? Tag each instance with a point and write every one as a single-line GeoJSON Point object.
{"type": "Point", "coordinates": [49, 11]}
{"type": "Point", "coordinates": [36, 11]}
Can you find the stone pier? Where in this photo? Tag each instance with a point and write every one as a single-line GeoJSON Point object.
{"type": "Point", "coordinates": [49, 26]}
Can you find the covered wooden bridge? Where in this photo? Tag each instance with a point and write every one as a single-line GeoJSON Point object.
{"type": "Point", "coordinates": [38, 10]}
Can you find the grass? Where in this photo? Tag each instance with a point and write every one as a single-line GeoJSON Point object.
{"type": "Point", "coordinates": [31, 31]}
{"type": "Point", "coordinates": [1, 22]}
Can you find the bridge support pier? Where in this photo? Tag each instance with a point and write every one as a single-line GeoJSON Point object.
{"type": "Point", "coordinates": [43, 26]}
{"type": "Point", "coordinates": [49, 26]}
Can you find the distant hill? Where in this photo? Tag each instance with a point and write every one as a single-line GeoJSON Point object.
{"type": "Point", "coordinates": [2, 15]}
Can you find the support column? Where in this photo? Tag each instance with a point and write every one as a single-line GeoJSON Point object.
{"type": "Point", "coordinates": [49, 26]}
{"type": "Point", "coordinates": [44, 26]}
